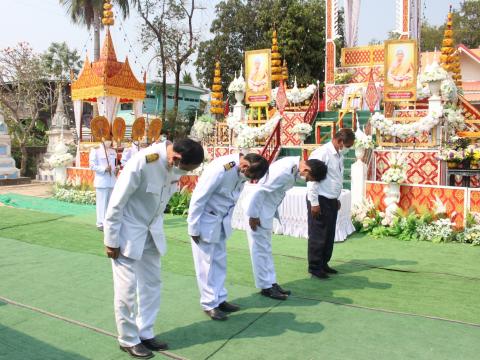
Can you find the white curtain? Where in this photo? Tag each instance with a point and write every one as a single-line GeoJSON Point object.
{"type": "Point", "coordinates": [77, 111]}
{"type": "Point", "coordinates": [352, 14]}
{"type": "Point", "coordinates": [138, 108]}
{"type": "Point", "coordinates": [107, 106]}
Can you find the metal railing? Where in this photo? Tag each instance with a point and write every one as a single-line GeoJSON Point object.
{"type": "Point", "coordinates": [312, 111]}
{"type": "Point", "coordinates": [272, 145]}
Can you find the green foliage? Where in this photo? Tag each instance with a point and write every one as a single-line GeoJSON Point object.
{"type": "Point", "coordinates": [247, 25]}
{"type": "Point", "coordinates": [179, 203]}
{"type": "Point", "coordinates": [59, 59]}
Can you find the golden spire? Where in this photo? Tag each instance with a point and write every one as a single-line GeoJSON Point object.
{"type": "Point", "coordinates": [285, 70]}
{"type": "Point", "coordinates": [276, 59]}
{"type": "Point", "coordinates": [216, 102]}
{"type": "Point", "coordinates": [449, 59]}
{"type": "Point", "coordinates": [107, 19]}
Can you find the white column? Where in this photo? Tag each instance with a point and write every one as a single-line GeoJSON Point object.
{"type": "Point", "coordinates": [359, 174]}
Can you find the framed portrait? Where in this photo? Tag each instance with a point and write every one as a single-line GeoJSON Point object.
{"type": "Point", "coordinates": [401, 66]}
{"type": "Point", "coordinates": [258, 77]}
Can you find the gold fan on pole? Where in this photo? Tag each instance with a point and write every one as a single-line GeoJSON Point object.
{"type": "Point", "coordinates": [138, 129]}
{"type": "Point", "coordinates": [100, 129]}
{"type": "Point", "coordinates": [155, 129]}
{"type": "Point", "coordinates": [118, 130]}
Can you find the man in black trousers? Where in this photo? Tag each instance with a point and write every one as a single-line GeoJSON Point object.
{"type": "Point", "coordinates": [323, 203]}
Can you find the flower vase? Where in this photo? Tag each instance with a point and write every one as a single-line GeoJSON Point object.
{"type": "Point", "coordinates": [60, 175]}
{"type": "Point", "coordinates": [360, 153]}
{"type": "Point", "coordinates": [434, 87]}
{"type": "Point", "coordinates": [239, 97]}
{"type": "Point", "coordinates": [392, 198]}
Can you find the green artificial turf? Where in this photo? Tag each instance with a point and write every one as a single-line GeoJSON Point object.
{"type": "Point", "coordinates": [56, 263]}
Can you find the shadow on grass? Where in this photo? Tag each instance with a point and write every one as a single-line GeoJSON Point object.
{"type": "Point", "coordinates": [353, 266]}
{"type": "Point", "coordinates": [239, 326]}
{"type": "Point", "coordinates": [15, 345]}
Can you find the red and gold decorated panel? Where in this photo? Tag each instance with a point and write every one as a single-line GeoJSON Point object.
{"type": "Point", "coordinates": [290, 119]}
{"type": "Point", "coordinates": [420, 198]}
{"type": "Point", "coordinates": [85, 159]}
{"type": "Point", "coordinates": [188, 181]}
{"type": "Point", "coordinates": [422, 166]}
{"type": "Point", "coordinates": [80, 175]}
{"type": "Point", "coordinates": [362, 56]}
{"type": "Point", "coordinates": [475, 200]}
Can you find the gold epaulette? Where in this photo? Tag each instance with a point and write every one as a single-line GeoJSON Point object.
{"type": "Point", "coordinates": [152, 157]}
{"type": "Point", "coordinates": [229, 165]}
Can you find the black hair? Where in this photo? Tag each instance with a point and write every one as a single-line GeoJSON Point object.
{"type": "Point", "coordinates": [346, 135]}
{"type": "Point", "coordinates": [191, 151]}
{"type": "Point", "coordinates": [318, 169]}
{"type": "Point", "coordinates": [258, 166]}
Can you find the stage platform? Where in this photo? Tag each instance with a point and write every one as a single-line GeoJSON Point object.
{"type": "Point", "coordinates": [392, 299]}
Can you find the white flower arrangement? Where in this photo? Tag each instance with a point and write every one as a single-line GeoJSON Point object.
{"type": "Point", "coordinates": [302, 128]}
{"type": "Point", "coordinates": [296, 95]}
{"type": "Point", "coordinates": [74, 195]}
{"type": "Point", "coordinates": [423, 92]}
{"type": "Point", "coordinates": [247, 136]}
{"type": "Point", "coordinates": [449, 91]}
{"type": "Point", "coordinates": [203, 127]}
{"type": "Point", "coordinates": [60, 160]}
{"type": "Point", "coordinates": [440, 230]}
{"type": "Point", "coordinates": [403, 131]}
{"type": "Point", "coordinates": [238, 84]}
{"type": "Point", "coordinates": [433, 72]}
{"type": "Point", "coordinates": [363, 210]}
{"type": "Point", "coordinates": [363, 141]}
{"type": "Point", "coordinates": [454, 120]}
{"type": "Point", "coordinates": [397, 171]}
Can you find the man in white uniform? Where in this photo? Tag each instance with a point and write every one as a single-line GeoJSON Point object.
{"type": "Point", "coordinates": [209, 224]}
{"type": "Point", "coordinates": [263, 206]}
{"type": "Point", "coordinates": [323, 203]}
{"type": "Point", "coordinates": [105, 177]}
{"type": "Point", "coordinates": [129, 152]}
{"type": "Point", "coordinates": [134, 238]}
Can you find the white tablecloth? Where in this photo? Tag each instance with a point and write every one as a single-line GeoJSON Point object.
{"type": "Point", "coordinates": [293, 214]}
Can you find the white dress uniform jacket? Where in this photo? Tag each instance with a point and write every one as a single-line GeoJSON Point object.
{"type": "Point", "coordinates": [209, 217]}
{"type": "Point", "coordinates": [331, 187]}
{"type": "Point", "coordinates": [134, 223]}
{"type": "Point", "coordinates": [138, 202]}
{"type": "Point", "coordinates": [99, 163]}
{"type": "Point", "coordinates": [128, 153]}
{"type": "Point", "coordinates": [263, 204]}
{"type": "Point", "coordinates": [104, 181]}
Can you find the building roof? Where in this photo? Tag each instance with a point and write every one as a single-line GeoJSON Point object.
{"type": "Point", "coordinates": [473, 53]}
{"type": "Point", "coordinates": [107, 77]}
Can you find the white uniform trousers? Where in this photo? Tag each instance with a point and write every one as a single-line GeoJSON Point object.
{"type": "Point", "coordinates": [210, 261]}
{"type": "Point", "coordinates": [260, 244]}
{"type": "Point", "coordinates": [137, 286]}
{"type": "Point", "coordinates": [102, 199]}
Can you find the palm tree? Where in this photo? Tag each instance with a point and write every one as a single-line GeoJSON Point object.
{"type": "Point", "coordinates": [89, 13]}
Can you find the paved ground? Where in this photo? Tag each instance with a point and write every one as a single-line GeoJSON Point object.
{"type": "Point", "coordinates": [38, 189]}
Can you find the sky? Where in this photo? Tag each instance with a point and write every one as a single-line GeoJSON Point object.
{"type": "Point", "coordinates": [41, 22]}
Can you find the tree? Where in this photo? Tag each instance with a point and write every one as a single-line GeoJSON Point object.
{"type": "Point", "coordinates": [168, 28]}
{"type": "Point", "coordinates": [89, 13]}
{"type": "Point", "coordinates": [247, 25]}
{"type": "Point", "coordinates": [431, 37]}
{"type": "Point", "coordinates": [187, 78]}
{"type": "Point", "coordinates": [60, 61]}
{"type": "Point", "coordinates": [24, 93]}
{"type": "Point", "coordinates": [466, 24]}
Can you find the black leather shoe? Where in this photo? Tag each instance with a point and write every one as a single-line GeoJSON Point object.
{"type": "Point", "coordinates": [322, 275]}
{"type": "Point", "coordinates": [138, 351]}
{"type": "Point", "coordinates": [228, 307]}
{"type": "Point", "coordinates": [279, 288]}
{"type": "Point", "coordinates": [155, 345]}
{"type": "Point", "coordinates": [274, 294]}
{"type": "Point", "coordinates": [216, 314]}
{"type": "Point", "coordinates": [329, 270]}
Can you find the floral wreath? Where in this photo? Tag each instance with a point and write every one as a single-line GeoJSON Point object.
{"type": "Point", "coordinates": [403, 131]}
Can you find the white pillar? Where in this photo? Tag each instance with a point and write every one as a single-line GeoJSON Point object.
{"type": "Point", "coordinates": [359, 172]}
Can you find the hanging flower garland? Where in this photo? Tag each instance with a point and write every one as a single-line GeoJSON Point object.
{"type": "Point", "coordinates": [403, 131]}
{"type": "Point", "coordinates": [296, 95]}
{"type": "Point", "coordinates": [247, 137]}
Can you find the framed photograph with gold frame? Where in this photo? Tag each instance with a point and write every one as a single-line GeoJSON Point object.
{"type": "Point", "coordinates": [401, 65]}
{"type": "Point", "coordinates": [258, 77]}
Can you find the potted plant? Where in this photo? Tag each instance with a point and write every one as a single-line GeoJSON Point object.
{"type": "Point", "coordinates": [433, 75]}
{"type": "Point", "coordinates": [237, 86]}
